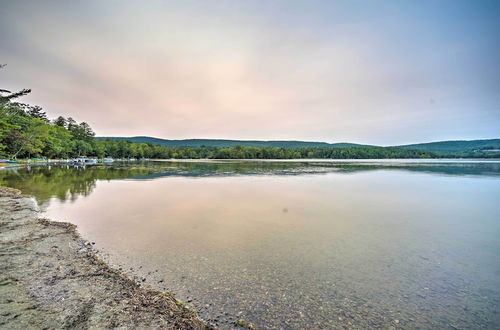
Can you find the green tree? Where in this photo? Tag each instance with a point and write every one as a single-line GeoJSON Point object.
{"type": "Point", "coordinates": [60, 121]}
{"type": "Point", "coordinates": [37, 112]}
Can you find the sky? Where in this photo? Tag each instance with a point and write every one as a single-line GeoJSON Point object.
{"type": "Point", "coordinates": [374, 72]}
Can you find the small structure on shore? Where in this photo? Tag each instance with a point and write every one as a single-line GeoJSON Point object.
{"type": "Point", "coordinates": [84, 160]}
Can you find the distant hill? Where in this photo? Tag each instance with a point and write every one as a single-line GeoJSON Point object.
{"type": "Point", "coordinates": [231, 143]}
{"type": "Point", "coordinates": [458, 147]}
{"type": "Point", "coordinates": [473, 147]}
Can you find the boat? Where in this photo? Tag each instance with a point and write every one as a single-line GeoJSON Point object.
{"type": "Point", "coordinates": [84, 160]}
{"type": "Point", "coordinates": [8, 161]}
{"type": "Point", "coordinates": [108, 160]}
{"type": "Point", "coordinates": [79, 160]}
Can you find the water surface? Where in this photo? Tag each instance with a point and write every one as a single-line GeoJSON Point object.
{"type": "Point", "coordinates": [295, 244]}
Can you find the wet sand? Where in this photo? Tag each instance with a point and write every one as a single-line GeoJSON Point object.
{"type": "Point", "coordinates": [52, 278]}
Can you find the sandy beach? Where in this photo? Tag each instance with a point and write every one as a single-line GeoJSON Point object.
{"type": "Point", "coordinates": [51, 278]}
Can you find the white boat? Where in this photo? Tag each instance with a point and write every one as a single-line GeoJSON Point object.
{"type": "Point", "coordinates": [79, 160]}
{"type": "Point", "coordinates": [108, 160]}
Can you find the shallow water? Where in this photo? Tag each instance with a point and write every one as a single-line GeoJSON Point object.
{"type": "Point", "coordinates": [295, 244]}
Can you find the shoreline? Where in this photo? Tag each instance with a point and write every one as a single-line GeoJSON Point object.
{"type": "Point", "coordinates": [52, 278]}
{"type": "Point", "coordinates": [374, 161]}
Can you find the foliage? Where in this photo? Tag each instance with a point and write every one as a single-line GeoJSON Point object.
{"type": "Point", "coordinates": [25, 131]}
{"type": "Point", "coordinates": [458, 147]}
{"type": "Point", "coordinates": [127, 149]}
{"type": "Point", "coordinates": [472, 148]}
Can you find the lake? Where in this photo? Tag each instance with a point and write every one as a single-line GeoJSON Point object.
{"type": "Point", "coordinates": [295, 244]}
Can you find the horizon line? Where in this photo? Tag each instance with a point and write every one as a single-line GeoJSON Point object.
{"type": "Point", "coordinates": [307, 141]}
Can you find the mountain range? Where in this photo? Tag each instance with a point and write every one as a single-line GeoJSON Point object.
{"type": "Point", "coordinates": [443, 147]}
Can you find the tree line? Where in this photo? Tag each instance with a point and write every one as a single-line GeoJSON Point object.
{"type": "Point", "coordinates": [126, 149]}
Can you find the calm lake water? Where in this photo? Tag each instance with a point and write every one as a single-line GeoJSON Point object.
{"type": "Point", "coordinates": [295, 244]}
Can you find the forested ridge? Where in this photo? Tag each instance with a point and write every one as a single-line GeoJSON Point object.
{"type": "Point", "coordinates": [224, 143]}
{"type": "Point", "coordinates": [440, 147]}
{"type": "Point", "coordinates": [26, 132]}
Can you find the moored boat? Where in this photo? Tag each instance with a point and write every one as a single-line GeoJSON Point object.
{"type": "Point", "coordinates": [79, 160]}
{"type": "Point", "coordinates": [84, 160]}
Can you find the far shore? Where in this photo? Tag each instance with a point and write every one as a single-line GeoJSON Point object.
{"type": "Point", "coordinates": [311, 160]}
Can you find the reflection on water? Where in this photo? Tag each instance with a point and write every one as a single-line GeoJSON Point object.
{"type": "Point", "coordinates": [296, 244]}
{"type": "Point", "coordinates": [69, 182]}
